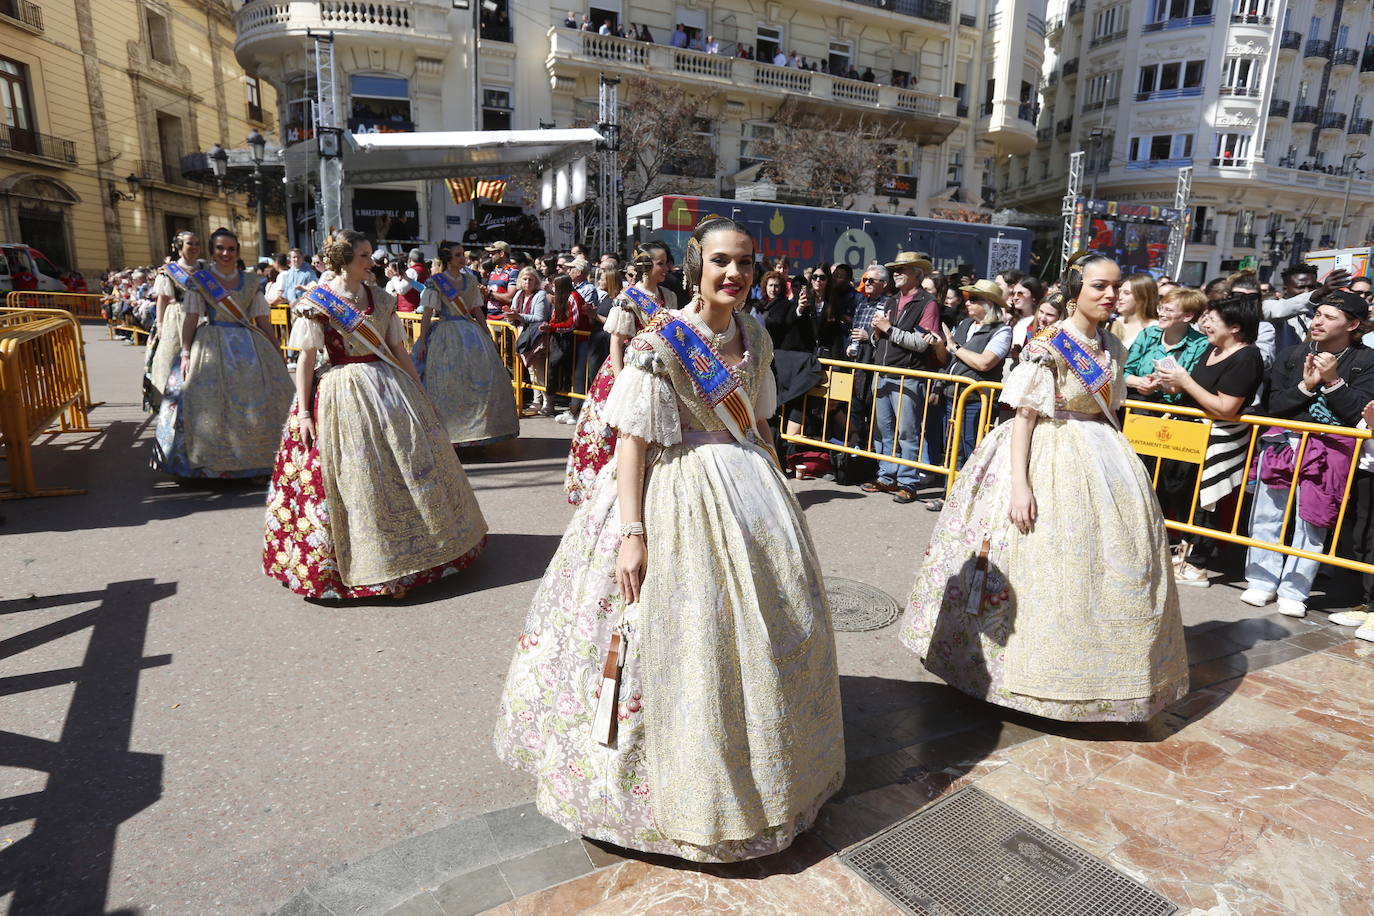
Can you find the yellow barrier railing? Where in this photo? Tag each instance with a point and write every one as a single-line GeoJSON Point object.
{"type": "Point", "coordinates": [13, 317]}
{"type": "Point", "coordinates": [85, 306]}
{"type": "Point", "coordinates": [42, 372]}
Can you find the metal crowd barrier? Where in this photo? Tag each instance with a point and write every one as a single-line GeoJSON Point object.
{"type": "Point", "coordinates": [85, 306]}
{"type": "Point", "coordinates": [42, 383]}
{"type": "Point", "coordinates": [14, 317]}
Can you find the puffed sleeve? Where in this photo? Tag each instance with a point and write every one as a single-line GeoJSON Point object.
{"type": "Point", "coordinates": [194, 303]}
{"type": "Point", "coordinates": [396, 332]}
{"type": "Point", "coordinates": [163, 286]}
{"type": "Point", "coordinates": [1031, 383]}
{"type": "Point", "coordinates": [766, 401]}
{"type": "Point", "coordinates": [642, 402]}
{"type": "Point", "coordinates": [620, 321]}
{"type": "Point", "coordinates": [259, 308]}
{"type": "Point", "coordinates": [429, 301]}
{"type": "Point", "coordinates": [306, 334]}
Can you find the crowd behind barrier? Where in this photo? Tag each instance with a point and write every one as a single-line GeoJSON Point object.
{"type": "Point", "coordinates": [889, 375]}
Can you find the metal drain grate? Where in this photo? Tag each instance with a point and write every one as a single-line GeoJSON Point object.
{"type": "Point", "coordinates": [855, 606]}
{"type": "Point", "coordinates": [971, 855]}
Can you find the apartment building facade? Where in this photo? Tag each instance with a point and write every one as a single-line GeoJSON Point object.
{"type": "Point", "coordinates": [955, 81]}
{"type": "Point", "coordinates": [103, 101]}
{"type": "Point", "coordinates": [1264, 99]}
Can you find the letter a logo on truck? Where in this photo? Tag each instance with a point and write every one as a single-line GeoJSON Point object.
{"type": "Point", "coordinates": [855, 248]}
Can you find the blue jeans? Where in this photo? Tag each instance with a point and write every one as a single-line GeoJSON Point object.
{"type": "Point", "coordinates": [1268, 570]}
{"type": "Point", "coordinates": [967, 429]}
{"type": "Point", "coordinates": [904, 396]}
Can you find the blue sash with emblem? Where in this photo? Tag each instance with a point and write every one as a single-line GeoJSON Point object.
{"type": "Point", "coordinates": [443, 285]}
{"type": "Point", "coordinates": [350, 320]}
{"type": "Point", "coordinates": [1087, 370]}
{"type": "Point", "coordinates": [646, 303]}
{"type": "Point", "coordinates": [177, 273]}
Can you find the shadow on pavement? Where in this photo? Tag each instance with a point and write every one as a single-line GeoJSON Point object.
{"type": "Point", "coordinates": [94, 782]}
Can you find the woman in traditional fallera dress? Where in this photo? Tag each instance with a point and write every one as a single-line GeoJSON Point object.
{"type": "Point", "coordinates": [593, 442]}
{"type": "Point", "coordinates": [164, 345]}
{"type": "Point", "coordinates": [228, 390]}
{"type": "Point", "coordinates": [1047, 585]}
{"type": "Point", "coordinates": [368, 497]}
{"type": "Point", "coordinates": [458, 361]}
{"type": "Point", "coordinates": [728, 735]}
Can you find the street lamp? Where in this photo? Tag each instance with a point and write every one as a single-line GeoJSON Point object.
{"type": "Point", "coordinates": [117, 195]}
{"type": "Point", "coordinates": [1349, 169]}
{"type": "Point", "coordinates": [219, 164]}
{"type": "Point", "coordinates": [257, 150]}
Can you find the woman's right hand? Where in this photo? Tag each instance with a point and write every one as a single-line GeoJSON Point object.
{"type": "Point", "coordinates": [630, 566]}
{"type": "Point", "coordinates": [307, 432]}
{"type": "Point", "coordinates": [1022, 512]}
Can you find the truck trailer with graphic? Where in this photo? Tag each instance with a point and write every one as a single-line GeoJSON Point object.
{"type": "Point", "coordinates": [813, 235]}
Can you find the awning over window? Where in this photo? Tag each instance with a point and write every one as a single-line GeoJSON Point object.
{"type": "Point", "coordinates": [376, 157]}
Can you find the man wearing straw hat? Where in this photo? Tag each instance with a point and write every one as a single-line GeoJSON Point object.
{"type": "Point", "coordinates": [901, 337]}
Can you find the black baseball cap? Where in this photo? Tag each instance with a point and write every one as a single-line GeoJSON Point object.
{"type": "Point", "coordinates": [1353, 304]}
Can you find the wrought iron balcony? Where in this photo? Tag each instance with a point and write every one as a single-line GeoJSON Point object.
{"type": "Point", "coordinates": [1290, 40]}
{"type": "Point", "coordinates": [1345, 57]}
{"type": "Point", "coordinates": [33, 143]}
{"type": "Point", "coordinates": [1361, 126]}
{"type": "Point", "coordinates": [1333, 120]}
{"type": "Point", "coordinates": [1205, 237]}
{"type": "Point", "coordinates": [1187, 22]}
{"type": "Point", "coordinates": [1070, 67]}
{"type": "Point", "coordinates": [1279, 108]}
{"type": "Point", "coordinates": [166, 173]}
{"type": "Point", "coordinates": [1317, 47]}
{"type": "Point", "coordinates": [932, 10]}
{"type": "Point", "coordinates": [1367, 61]}
{"type": "Point", "coordinates": [1076, 7]}
{"type": "Point", "coordinates": [1306, 114]}
{"type": "Point", "coordinates": [1243, 240]}
{"type": "Point", "coordinates": [1063, 127]}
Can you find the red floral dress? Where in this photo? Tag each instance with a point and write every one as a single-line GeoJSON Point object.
{"type": "Point", "coordinates": [593, 442]}
{"type": "Point", "coordinates": [298, 547]}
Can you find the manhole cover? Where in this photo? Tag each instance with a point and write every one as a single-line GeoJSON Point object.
{"type": "Point", "coordinates": [971, 855]}
{"type": "Point", "coordinates": [855, 607]}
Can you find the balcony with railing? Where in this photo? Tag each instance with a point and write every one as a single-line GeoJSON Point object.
{"type": "Point", "coordinates": [1306, 114]}
{"type": "Point", "coordinates": [1244, 92]}
{"type": "Point", "coordinates": [271, 29]}
{"type": "Point", "coordinates": [16, 142]}
{"type": "Point", "coordinates": [1367, 61]}
{"type": "Point", "coordinates": [1280, 108]}
{"type": "Point", "coordinates": [1345, 57]}
{"type": "Point", "coordinates": [1107, 39]}
{"type": "Point", "coordinates": [1361, 126]}
{"type": "Point", "coordinates": [968, 20]}
{"type": "Point", "coordinates": [167, 173]}
{"type": "Point", "coordinates": [1160, 163]}
{"type": "Point", "coordinates": [572, 51]}
{"type": "Point", "coordinates": [1317, 48]}
{"type": "Point", "coordinates": [1333, 120]}
{"type": "Point", "coordinates": [1251, 18]}
{"type": "Point", "coordinates": [1044, 134]}
{"type": "Point", "coordinates": [1099, 104]}
{"type": "Point", "coordinates": [1243, 240]}
{"type": "Point", "coordinates": [1064, 126]}
{"type": "Point", "coordinates": [23, 13]}
{"type": "Point", "coordinates": [1183, 22]}
{"type": "Point", "coordinates": [1076, 7]}
{"type": "Point", "coordinates": [1168, 95]}
{"type": "Point", "coordinates": [1204, 237]}
{"type": "Point", "coordinates": [1290, 40]}
{"type": "Point", "coordinates": [1070, 67]}
{"type": "Point", "coordinates": [930, 10]}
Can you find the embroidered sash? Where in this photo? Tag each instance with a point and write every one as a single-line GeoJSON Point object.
{"type": "Point", "coordinates": [1087, 370]}
{"type": "Point", "coordinates": [351, 320]}
{"type": "Point", "coordinates": [178, 274]}
{"type": "Point", "coordinates": [217, 294]}
{"type": "Point", "coordinates": [718, 386]}
{"type": "Point", "coordinates": [444, 287]}
{"type": "Point", "coordinates": [646, 303]}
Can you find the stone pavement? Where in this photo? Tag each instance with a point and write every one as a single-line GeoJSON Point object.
{"type": "Point", "coordinates": [183, 735]}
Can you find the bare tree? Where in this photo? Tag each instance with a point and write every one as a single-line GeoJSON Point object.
{"type": "Point", "coordinates": [834, 164]}
{"type": "Point", "coordinates": [663, 149]}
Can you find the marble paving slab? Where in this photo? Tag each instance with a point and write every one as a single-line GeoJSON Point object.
{"type": "Point", "coordinates": [1255, 798]}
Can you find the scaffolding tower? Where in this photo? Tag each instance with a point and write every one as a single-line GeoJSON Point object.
{"type": "Point", "coordinates": [608, 237]}
{"type": "Point", "coordinates": [1178, 231]}
{"type": "Point", "coordinates": [327, 119]}
{"type": "Point", "coordinates": [1069, 209]}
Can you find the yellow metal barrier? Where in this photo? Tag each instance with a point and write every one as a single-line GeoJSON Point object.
{"type": "Point", "coordinates": [42, 371]}
{"type": "Point", "coordinates": [13, 317]}
{"type": "Point", "coordinates": [85, 306]}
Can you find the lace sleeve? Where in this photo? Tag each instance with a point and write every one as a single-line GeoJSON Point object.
{"type": "Point", "coordinates": [163, 286]}
{"type": "Point", "coordinates": [642, 402]}
{"type": "Point", "coordinates": [306, 334]}
{"type": "Point", "coordinates": [620, 321]}
{"type": "Point", "coordinates": [1031, 383]}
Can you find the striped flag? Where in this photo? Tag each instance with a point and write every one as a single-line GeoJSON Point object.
{"type": "Point", "coordinates": [463, 190]}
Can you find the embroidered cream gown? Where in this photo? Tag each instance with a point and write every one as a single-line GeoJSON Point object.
{"type": "Point", "coordinates": [1079, 619]}
{"type": "Point", "coordinates": [729, 732]}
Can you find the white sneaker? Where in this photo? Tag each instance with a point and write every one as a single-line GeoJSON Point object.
{"type": "Point", "coordinates": [1366, 632]}
{"type": "Point", "coordinates": [566, 418]}
{"type": "Point", "coordinates": [1188, 574]}
{"type": "Point", "coordinates": [1290, 608]}
{"type": "Point", "coordinates": [1351, 618]}
{"type": "Point", "coordinates": [1257, 597]}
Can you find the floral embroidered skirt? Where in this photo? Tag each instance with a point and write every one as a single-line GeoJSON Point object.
{"type": "Point", "coordinates": [593, 442]}
{"type": "Point", "coordinates": [1077, 620]}
{"type": "Point", "coordinates": [298, 547]}
{"type": "Point", "coordinates": [544, 725]}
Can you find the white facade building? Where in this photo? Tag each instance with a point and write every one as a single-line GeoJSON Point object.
{"type": "Point", "coordinates": [959, 81]}
{"type": "Point", "coordinates": [1262, 98]}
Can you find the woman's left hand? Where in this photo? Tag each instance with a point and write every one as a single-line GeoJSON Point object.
{"type": "Point", "coordinates": [1170, 377]}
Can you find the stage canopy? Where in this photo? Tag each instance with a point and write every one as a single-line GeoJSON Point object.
{"type": "Point", "coordinates": [380, 157]}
